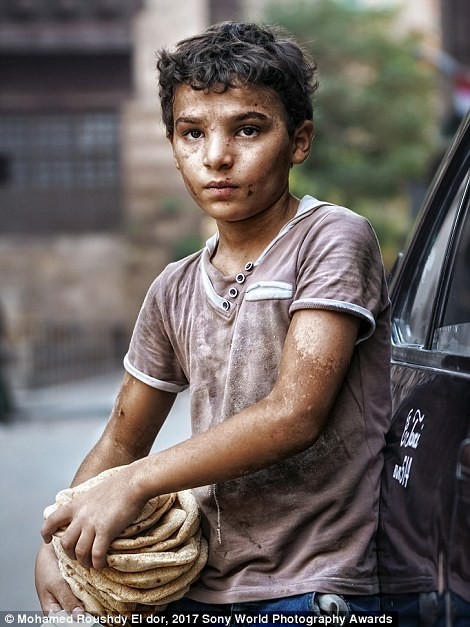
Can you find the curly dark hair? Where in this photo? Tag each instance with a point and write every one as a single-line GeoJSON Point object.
{"type": "Point", "coordinates": [233, 54]}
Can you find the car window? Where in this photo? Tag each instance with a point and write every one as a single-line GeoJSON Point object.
{"type": "Point", "coordinates": [412, 316]}
{"type": "Point", "coordinates": [454, 334]}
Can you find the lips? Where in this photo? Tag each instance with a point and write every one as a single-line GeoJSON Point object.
{"type": "Point", "coordinates": [220, 185]}
{"type": "Point", "coordinates": [221, 189]}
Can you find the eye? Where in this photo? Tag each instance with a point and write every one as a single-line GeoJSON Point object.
{"type": "Point", "coordinates": [248, 131]}
{"type": "Point", "coordinates": [193, 134]}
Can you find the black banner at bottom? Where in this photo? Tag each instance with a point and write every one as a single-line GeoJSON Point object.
{"type": "Point", "coordinates": [199, 619]}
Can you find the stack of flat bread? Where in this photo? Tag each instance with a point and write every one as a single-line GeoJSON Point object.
{"type": "Point", "coordinates": [153, 562]}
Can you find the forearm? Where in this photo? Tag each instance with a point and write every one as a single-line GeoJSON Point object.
{"type": "Point", "coordinates": [261, 435]}
{"type": "Point", "coordinates": [101, 457]}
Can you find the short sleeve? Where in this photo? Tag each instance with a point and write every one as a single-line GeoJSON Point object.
{"type": "Point", "coordinates": [340, 268]}
{"type": "Point", "coordinates": [151, 357]}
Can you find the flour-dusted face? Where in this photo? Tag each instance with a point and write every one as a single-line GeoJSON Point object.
{"type": "Point", "coordinates": [233, 149]}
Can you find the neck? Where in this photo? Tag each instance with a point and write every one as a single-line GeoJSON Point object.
{"type": "Point", "coordinates": [240, 242]}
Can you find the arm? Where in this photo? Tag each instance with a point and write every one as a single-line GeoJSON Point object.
{"type": "Point", "coordinates": [316, 355]}
{"type": "Point", "coordinates": [136, 419]}
{"type": "Point", "coordinates": [137, 416]}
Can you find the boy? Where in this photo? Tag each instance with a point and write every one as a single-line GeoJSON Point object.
{"type": "Point", "coordinates": [279, 327]}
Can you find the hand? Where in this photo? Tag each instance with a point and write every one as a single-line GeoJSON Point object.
{"type": "Point", "coordinates": [94, 518]}
{"type": "Point", "coordinates": [53, 591]}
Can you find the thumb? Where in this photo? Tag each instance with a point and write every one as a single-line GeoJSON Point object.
{"type": "Point", "coordinates": [64, 599]}
{"type": "Point", "coordinates": [60, 518]}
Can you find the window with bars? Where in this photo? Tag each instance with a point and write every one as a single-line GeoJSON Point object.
{"type": "Point", "coordinates": [53, 164]}
{"type": "Point", "coordinates": [58, 150]}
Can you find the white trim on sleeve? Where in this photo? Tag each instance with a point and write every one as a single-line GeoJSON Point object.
{"type": "Point", "coordinates": [337, 305]}
{"type": "Point", "coordinates": [166, 386]}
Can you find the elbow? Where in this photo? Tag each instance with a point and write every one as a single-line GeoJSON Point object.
{"type": "Point", "coordinates": [305, 432]}
{"type": "Point", "coordinates": [298, 430]}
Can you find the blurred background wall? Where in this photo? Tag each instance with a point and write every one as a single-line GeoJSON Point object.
{"type": "Point", "coordinates": [91, 207]}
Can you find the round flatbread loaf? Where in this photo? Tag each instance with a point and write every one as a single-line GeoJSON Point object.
{"type": "Point", "coordinates": [146, 523]}
{"type": "Point", "coordinates": [136, 562]}
{"type": "Point", "coordinates": [150, 541]}
{"type": "Point", "coordinates": [94, 601]}
{"type": "Point", "coordinates": [169, 523]}
{"type": "Point", "coordinates": [152, 563]}
{"type": "Point", "coordinates": [187, 530]}
{"type": "Point", "coordinates": [151, 596]}
{"type": "Point", "coordinates": [82, 578]}
{"type": "Point", "coordinates": [147, 578]}
{"type": "Point", "coordinates": [89, 600]}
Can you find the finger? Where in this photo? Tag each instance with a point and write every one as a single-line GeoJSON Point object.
{"type": "Point", "coordinates": [69, 540]}
{"type": "Point", "coordinates": [55, 521]}
{"type": "Point", "coordinates": [48, 602]}
{"type": "Point", "coordinates": [67, 600]}
{"type": "Point", "coordinates": [62, 599]}
{"type": "Point", "coordinates": [99, 551]}
{"type": "Point", "coordinates": [83, 548]}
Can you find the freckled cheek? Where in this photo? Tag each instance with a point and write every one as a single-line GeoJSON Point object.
{"type": "Point", "coordinates": [191, 188]}
{"type": "Point", "coordinates": [189, 168]}
{"type": "Point", "coordinates": [262, 173]}
{"type": "Point", "coordinates": [188, 156]}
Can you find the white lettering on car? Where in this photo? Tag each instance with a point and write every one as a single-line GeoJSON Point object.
{"type": "Point", "coordinates": [410, 438]}
{"type": "Point", "coordinates": [402, 473]}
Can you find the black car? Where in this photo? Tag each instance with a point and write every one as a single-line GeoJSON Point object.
{"type": "Point", "coordinates": [424, 530]}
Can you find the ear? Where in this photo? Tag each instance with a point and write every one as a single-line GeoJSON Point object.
{"type": "Point", "coordinates": [302, 141]}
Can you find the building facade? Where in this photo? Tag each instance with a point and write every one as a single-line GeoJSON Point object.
{"type": "Point", "coordinates": [91, 206]}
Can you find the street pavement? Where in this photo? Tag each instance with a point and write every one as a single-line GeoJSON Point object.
{"type": "Point", "coordinates": [40, 451]}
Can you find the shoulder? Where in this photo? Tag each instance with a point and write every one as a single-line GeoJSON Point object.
{"type": "Point", "coordinates": [345, 219]}
{"type": "Point", "coordinates": [319, 214]}
{"type": "Point", "coordinates": [175, 274]}
{"type": "Point", "coordinates": [336, 226]}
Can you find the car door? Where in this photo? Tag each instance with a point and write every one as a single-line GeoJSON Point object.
{"type": "Point", "coordinates": [423, 540]}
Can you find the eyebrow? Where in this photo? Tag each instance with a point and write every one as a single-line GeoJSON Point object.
{"type": "Point", "coordinates": [187, 120]}
{"type": "Point", "coordinates": [248, 115]}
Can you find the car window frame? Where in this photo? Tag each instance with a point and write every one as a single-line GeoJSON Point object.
{"type": "Point", "coordinates": [444, 188]}
{"type": "Point", "coordinates": [460, 222]}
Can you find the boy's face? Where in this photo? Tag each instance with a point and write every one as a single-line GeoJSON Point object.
{"type": "Point", "coordinates": [233, 149]}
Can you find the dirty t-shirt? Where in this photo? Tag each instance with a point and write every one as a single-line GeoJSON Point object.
{"type": "Point", "coordinates": [308, 523]}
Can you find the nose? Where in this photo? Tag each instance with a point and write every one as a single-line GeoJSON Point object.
{"type": "Point", "coordinates": [218, 153]}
